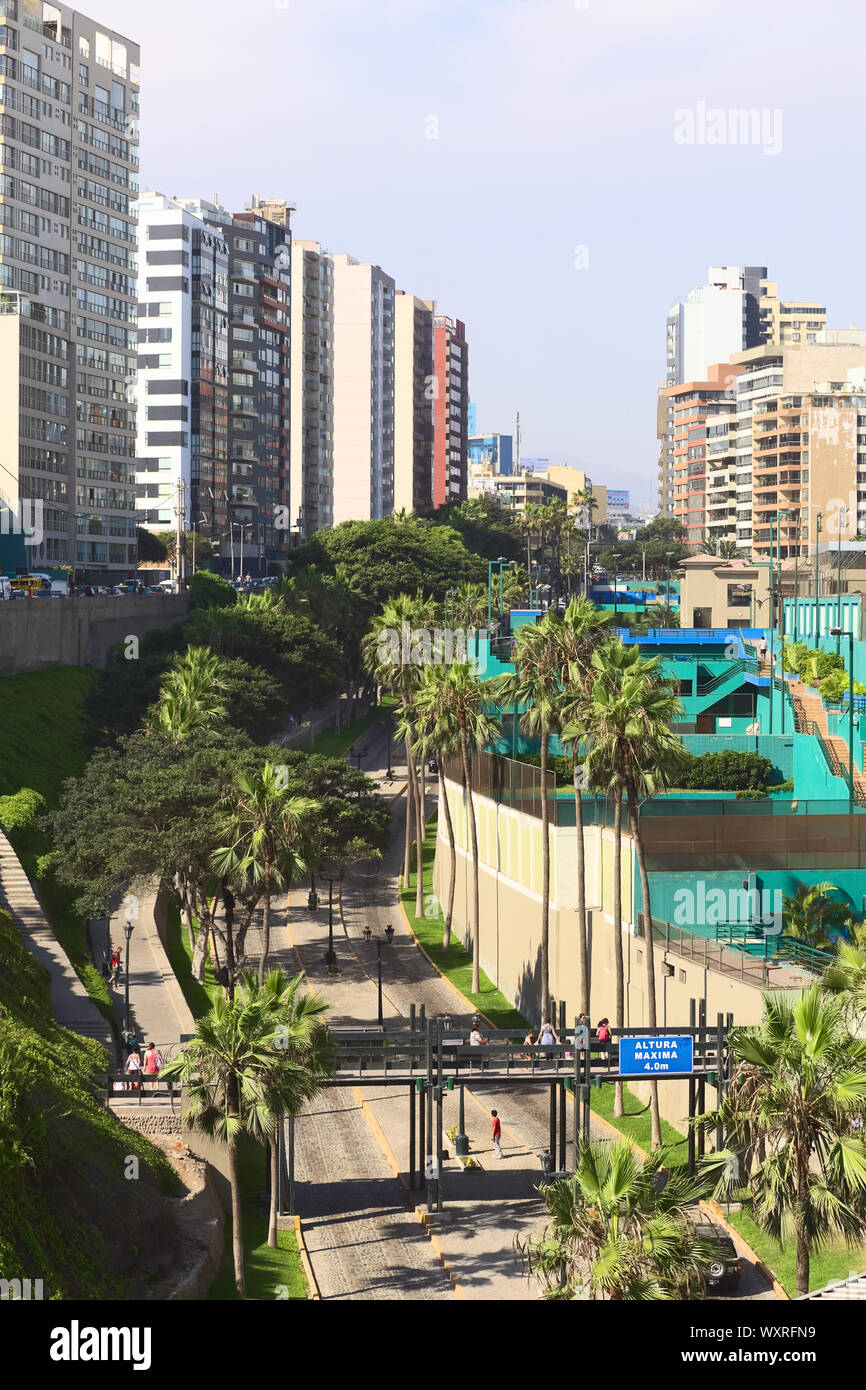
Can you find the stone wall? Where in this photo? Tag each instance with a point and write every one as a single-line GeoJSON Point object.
{"type": "Point", "coordinates": [39, 632]}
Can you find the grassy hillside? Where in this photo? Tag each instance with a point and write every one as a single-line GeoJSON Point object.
{"type": "Point", "coordinates": [71, 1210]}
{"type": "Point", "coordinates": [41, 729]}
{"type": "Point", "coordinates": [41, 734]}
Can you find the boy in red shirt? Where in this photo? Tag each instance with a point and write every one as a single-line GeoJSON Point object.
{"type": "Point", "coordinates": [497, 1134]}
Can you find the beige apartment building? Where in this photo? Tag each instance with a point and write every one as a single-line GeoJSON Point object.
{"type": "Point", "coordinates": [787, 322]}
{"type": "Point", "coordinates": [573, 480]}
{"type": "Point", "coordinates": [723, 593]}
{"type": "Point", "coordinates": [413, 403]}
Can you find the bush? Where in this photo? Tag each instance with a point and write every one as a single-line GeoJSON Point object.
{"type": "Point", "coordinates": [728, 771]}
{"type": "Point", "coordinates": [21, 810]}
{"type": "Point", "coordinates": [820, 664]}
{"type": "Point", "coordinates": [207, 590]}
{"type": "Point", "coordinates": [796, 655]}
{"type": "Point", "coordinates": [560, 767]}
{"type": "Point", "coordinates": [834, 688]}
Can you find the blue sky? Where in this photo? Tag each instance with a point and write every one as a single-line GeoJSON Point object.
{"type": "Point", "coordinates": [554, 123]}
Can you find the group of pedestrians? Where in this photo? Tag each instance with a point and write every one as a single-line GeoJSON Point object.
{"type": "Point", "coordinates": [137, 1065]}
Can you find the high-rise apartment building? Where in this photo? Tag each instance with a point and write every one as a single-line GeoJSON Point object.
{"type": "Point", "coordinates": [414, 391]}
{"type": "Point", "coordinates": [493, 452]}
{"type": "Point", "coordinates": [737, 309]}
{"type": "Point", "coordinates": [704, 482]}
{"type": "Point", "coordinates": [450, 410]}
{"type": "Point", "coordinates": [183, 369]}
{"type": "Point", "coordinates": [257, 499]}
{"type": "Point", "coordinates": [68, 283]}
{"type": "Point", "coordinates": [363, 391]}
{"type": "Point", "coordinates": [312, 388]}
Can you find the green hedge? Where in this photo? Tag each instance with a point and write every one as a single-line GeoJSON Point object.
{"type": "Point", "coordinates": [729, 771]}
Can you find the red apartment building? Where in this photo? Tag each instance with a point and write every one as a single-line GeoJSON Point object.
{"type": "Point", "coordinates": [450, 410]}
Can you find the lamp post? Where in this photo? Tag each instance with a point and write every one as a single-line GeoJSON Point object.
{"type": "Point", "coordinates": [668, 556]}
{"type": "Point", "coordinates": [500, 561]}
{"type": "Point", "coordinates": [379, 978]}
{"type": "Point", "coordinates": [818, 520]}
{"type": "Point", "coordinates": [837, 633]}
{"type": "Point", "coordinates": [127, 928]}
{"type": "Point", "coordinates": [330, 957]}
{"type": "Point", "coordinates": [843, 519]}
{"type": "Point", "coordinates": [615, 558]}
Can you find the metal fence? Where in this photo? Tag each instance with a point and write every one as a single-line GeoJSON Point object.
{"type": "Point", "coordinates": [512, 783]}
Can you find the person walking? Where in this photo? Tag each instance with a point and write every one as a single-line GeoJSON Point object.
{"type": "Point", "coordinates": [546, 1036]}
{"type": "Point", "coordinates": [602, 1032]}
{"type": "Point", "coordinates": [133, 1067]}
{"type": "Point", "coordinates": [497, 1133]}
{"type": "Point", "coordinates": [476, 1038]}
{"type": "Point", "coordinates": [152, 1060]}
{"type": "Point", "coordinates": [581, 1033]}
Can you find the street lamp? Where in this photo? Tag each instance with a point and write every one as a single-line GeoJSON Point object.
{"type": "Point", "coordinates": [837, 633]}
{"type": "Point", "coordinates": [669, 554]}
{"type": "Point", "coordinates": [128, 933]}
{"type": "Point", "coordinates": [843, 519]}
{"type": "Point", "coordinates": [500, 561]}
{"type": "Point", "coordinates": [615, 558]}
{"type": "Point", "coordinates": [818, 520]}
{"type": "Point", "coordinates": [330, 958]}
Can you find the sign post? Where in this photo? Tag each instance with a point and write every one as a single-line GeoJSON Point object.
{"type": "Point", "coordinates": [656, 1054]}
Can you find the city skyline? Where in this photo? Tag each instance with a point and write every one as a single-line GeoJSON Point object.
{"type": "Point", "coordinates": [570, 163]}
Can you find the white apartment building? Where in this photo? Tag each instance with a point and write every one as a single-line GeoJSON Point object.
{"type": "Point", "coordinates": [363, 391]}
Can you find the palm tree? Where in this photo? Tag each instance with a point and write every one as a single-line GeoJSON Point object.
{"type": "Point", "coordinates": [227, 1072]}
{"type": "Point", "coordinates": [464, 698]}
{"type": "Point", "coordinates": [846, 975]}
{"type": "Point", "coordinates": [190, 695]}
{"type": "Point", "coordinates": [438, 731]}
{"type": "Point", "coordinates": [393, 653]}
{"type": "Point", "coordinates": [581, 628]}
{"type": "Point", "coordinates": [799, 1081]}
{"type": "Point", "coordinates": [535, 685]}
{"type": "Point", "coordinates": [302, 1056]}
{"type": "Point", "coordinates": [617, 1231]}
{"type": "Point", "coordinates": [809, 915]}
{"type": "Point", "coordinates": [265, 825]}
{"type": "Point", "coordinates": [633, 707]}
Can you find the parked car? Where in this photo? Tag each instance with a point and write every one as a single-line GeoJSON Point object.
{"type": "Point", "coordinates": [723, 1273]}
{"type": "Point", "coordinates": [5, 588]}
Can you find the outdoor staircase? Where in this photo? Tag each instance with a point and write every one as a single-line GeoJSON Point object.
{"type": "Point", "coordinates": [810, 717]}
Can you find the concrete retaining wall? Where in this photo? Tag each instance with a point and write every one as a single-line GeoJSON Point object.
{"type": "Point", "coordinates": [39, 632]}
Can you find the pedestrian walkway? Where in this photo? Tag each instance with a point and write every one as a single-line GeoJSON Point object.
{"type": "Point", "coordinates": [70, 1003]}
{"type": "Point", "coordinates": [158, 1009]}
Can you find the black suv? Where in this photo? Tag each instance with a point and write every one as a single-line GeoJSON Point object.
{"type": "Point", "coordinates": [723, 1271]}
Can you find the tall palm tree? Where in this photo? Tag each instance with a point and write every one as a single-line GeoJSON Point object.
{"type": "Point", "coordinates": [439, 732]}
{"type": "Point", "coordinates": [302, 1057]}
{"type": "Point", "coordinates": [265, 824]}
{"type": "Point", "coordinates": [846, 976]}
{"type": "Point", "coordinates": [580, 630]}
{"type": "Point", "coordinates": [464, 698]}
{"type": "Point", "coordinates": [408, 731]}
{"type": "Point", "coordinates": [393, 654]}
{"type": "Point", "coordinates": [535, 686]}
{"type": "Point", "coordinates": [799, 1081]}
{"type": "Point", "coordinates": [616, 1231]}
{"type": "Point", "coordinates": [190, 695]}
{"type": "Point", "coordinates": [227, 1072]}
{"type": "Point", "coordinates": [633, 707]}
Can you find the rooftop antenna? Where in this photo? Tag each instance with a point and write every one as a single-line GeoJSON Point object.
{"type": "Point", "coordinates": [517, 442]}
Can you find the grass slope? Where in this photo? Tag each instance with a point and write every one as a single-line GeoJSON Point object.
{"type": "Point", "coordinates": [836, 1261]}
{"type": "Point", "coordinates": [42, 740]}
{"type": "Point", "coordinates": [333, 745]}
{"type": "Point", "coordinates": [69, 1213]}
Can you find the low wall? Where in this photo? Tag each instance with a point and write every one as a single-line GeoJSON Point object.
{"type": "Point", "coordinates": [39, 632]}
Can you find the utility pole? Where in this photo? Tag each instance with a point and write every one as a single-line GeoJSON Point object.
{"type": "Point", "coordinates": [180, 557]}
{"type": "Point", "coordinates": [517, 445]}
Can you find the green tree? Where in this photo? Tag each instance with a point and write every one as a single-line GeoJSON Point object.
{"type": "Point", "coordinates": [618, 1231]}
{"type": "Point", "coordinates": [265, 828]}
{"type": "Point", "coordinates": [810, 915]}
{"type": "Point", "coordinates": [439, 731]}
{"type": "Point", "coordinates": [233, 1072]}
{"type": "Point", "coordinates": [581, 629]}
{"type": "Point", "coordinates": [191, 695]}
{"type": "Point", "coordinates": [535, 688]}
{"type": "Point", "coordinates": [464, 700]}
{"type": "Point", "coordinates": [208, 590]}
{"type": "Point", "coordinates": [302, 1057]}
{"type": "Point", "coordinates": [799, 1080]}
{"type": "Point", "coordinates": [633, 707]}
{"type": "Point", "coordinates": [486, 527]}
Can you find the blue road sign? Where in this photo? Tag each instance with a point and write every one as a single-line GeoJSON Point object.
{"type": "Point", "coordinates": [657, 1054]}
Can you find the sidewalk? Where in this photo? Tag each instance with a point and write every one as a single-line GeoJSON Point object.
{"type": "Point", "coordinates": [158, 1009]}
{"type": "Point", "coordinates": [70, 1003]}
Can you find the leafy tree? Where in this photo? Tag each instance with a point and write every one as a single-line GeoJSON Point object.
{"type": "Point", "coordinates": [288, 646]}
{"type": "Point", "coordinates": [207, 590]}
{"type": "Point", "coordinates": [151, 547]}
{"type": "Point", "coordinates": [486, 527]}
{"type": "Point", "coordinates": [799, 1080]}
{"type": "Point", "coordinates": [384, 558]}
{"type": "Point", "coordinates": [810, 915]}
{"type": "Point", "coordinates": [620, 1231]}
